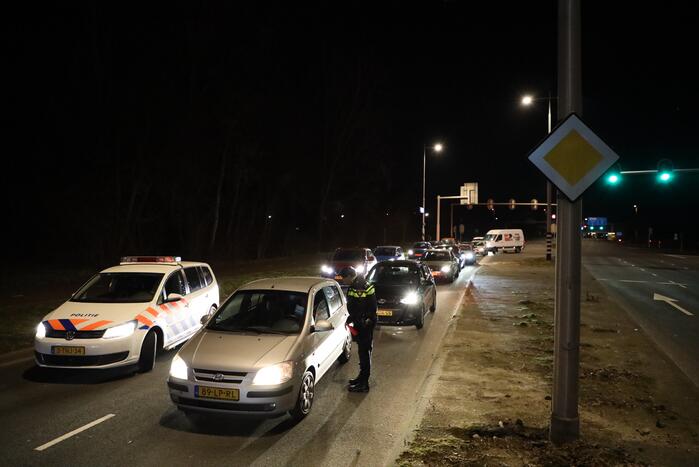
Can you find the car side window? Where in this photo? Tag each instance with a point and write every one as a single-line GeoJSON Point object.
{"type": "Point", "coordinates": [193, 279]}
{"type": "Point", "coordinates": [174, 284]}
{"type": "Point", "coordinates": [333, 297]}
{"type": "Point", "coordinates": [207, 277]}
{"type": "Point", "coordinates": [320, 307]}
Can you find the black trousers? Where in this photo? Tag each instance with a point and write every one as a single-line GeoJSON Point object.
{"type": "Point", "coordinates": [365, 344]}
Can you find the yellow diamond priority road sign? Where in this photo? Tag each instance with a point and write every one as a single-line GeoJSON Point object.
{"type": "Point", "coordinates": [573, 157]}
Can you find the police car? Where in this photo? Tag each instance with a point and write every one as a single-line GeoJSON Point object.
{"type": "Point", "coordinates": [125, 314]}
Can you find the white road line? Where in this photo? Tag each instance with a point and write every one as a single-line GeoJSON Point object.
{"type": "Point", "coordinates": [642, 269]}
{"type": "Point", "coordinates": [74, 432]}
{"type": "Point", "coordinates": [673, 283]}
{"type": "Point", "coordinates": [626, 280]}
{"type": "Point", "coordinates": [677, 256]}
{"type": "Point", "coordinates": [653, 274]}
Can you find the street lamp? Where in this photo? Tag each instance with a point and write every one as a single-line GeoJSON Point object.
{"type": "Point", "coordinates": [436, 148]}
{"type": "Point", "coordinates": [528, 100]}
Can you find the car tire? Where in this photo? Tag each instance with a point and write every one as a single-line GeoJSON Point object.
{"type": "Point", "coordinates": [346, 351]}
{"type": "Point", "coordinates": [421, 319]}
{"type": "Point", "coordinates": [304, 400]}
{"type": "Point", "coordinates": [518, 249]}
{"type": "Point", "coordinates": [433, 307]}
{"type": "Point", "coordinates": [149, 347]}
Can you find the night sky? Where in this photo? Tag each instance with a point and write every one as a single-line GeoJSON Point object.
{"type": "Point", "coordinates": [182, 127]}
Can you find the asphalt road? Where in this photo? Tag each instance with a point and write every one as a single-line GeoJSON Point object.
{"type": "Point", "coordinates": [642, 281]}
{"type": "Point", "coordinates": [138, 424]}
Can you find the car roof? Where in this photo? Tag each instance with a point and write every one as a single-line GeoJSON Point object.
{"type": "Point", "coordinates": [291, 284]}
{"type": "Point", "coordinates": [387, 246]}
{"type": "Point", "coordinates": [401, 262]}
{"type": "Point", "coordinates": [163, 268]}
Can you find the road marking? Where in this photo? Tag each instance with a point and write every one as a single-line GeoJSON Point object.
{"type": "Point", "coordinates": [74, 432]}
{"type": "Point", "coordinates": [653, 274]}
{"type": "Point", "coordinates": [670, 301]}
{"type": "Point", "coordinates": [684, 286]}
{"type": "Point", "coordinates": [677, 256]}
{"type": "Point", "coordinates": [642, 269]}
{"type": "Point", "coordinates": [627, 280]}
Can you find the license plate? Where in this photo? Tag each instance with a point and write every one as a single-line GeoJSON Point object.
{"type": "Point", "coordinates": [216, 393]}
{"type": "Point", "coordinates": [384, 313]}
{"type": "Point", "coordinates": [436, 273]}
{"type": "Point", "coordinates": [67, 350]}
{"type": "Point", "coordinates": [338, 277]}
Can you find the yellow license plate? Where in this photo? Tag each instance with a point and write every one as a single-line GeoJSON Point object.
{"type": "Point", "coordinates": [216, 393]}
{"type": "Point", "coordinates": [384, 313]}
{"type": "Point", "coordinates": [436, 273]}
{"type": "Point", "coordinates": [67, 350]}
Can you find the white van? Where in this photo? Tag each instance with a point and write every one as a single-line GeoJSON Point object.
{"type": "Point", "coordinates": [504, 240]}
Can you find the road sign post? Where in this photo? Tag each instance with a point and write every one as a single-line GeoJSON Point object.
{"type": "Point", "coordinates": [572, 157]}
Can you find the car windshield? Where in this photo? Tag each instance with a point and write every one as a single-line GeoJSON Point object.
{"type": "Point", "coordinates": [385, 251]}
{"type": "Point", "coordinates": [349, 255]}
{"type": "Point", "coordinates": [437, 256]}
{"type": "Point", "coordinates": [119, 287]}
{"type": "Point", "coordinates": [490, 237]}
{"type": "Point", "coordinates": [262, 311]}
{"type": "Point", "coordinates": [394, 275]}
{"type": "Point", "coordinates": [421, 245]}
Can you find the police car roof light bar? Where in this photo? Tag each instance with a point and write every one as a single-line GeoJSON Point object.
{"type": "Point", "coordinates": [150, 259]}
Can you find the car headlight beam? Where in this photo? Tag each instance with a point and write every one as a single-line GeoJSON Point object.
{"type": "Point", "coordinates": [410, 299]}
{"type": "Point", "coordinates": [327, 269]}
{"type": "Point", "coordinates": [122, 330]}
{"type": "Point", "coordinates": [410, 252]}
{"type": "Point", "coordinates": [178, 368]}
{"type": "Point", "coordinates": [359, 268]}
{"type": "Point", "coordinates": [274, 374]}
{"type": "Point", "coordinates": [445, 269]}
{"type": "Point", "coordinates": [41, 330]}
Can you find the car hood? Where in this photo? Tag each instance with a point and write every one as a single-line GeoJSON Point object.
{"type": "Point", "coordinates": [93, 316]}
{"type": "Point", "coordinates": [392, 294]}
{"type": "Point", "coordinates": [216, 350]}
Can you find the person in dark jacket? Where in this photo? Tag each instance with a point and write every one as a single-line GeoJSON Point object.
{"type": "Point", "coordinates": [361, 304]}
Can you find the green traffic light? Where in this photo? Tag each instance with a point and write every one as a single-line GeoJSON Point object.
{"type": "Point", "coordinates": [665, 176]}
{"type": "Point", "coordinates": [613, 179]}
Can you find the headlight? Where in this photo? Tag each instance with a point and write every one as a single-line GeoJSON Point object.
{"type": "Point", "coordinates": [359, 268]}
{"type": "Point", "coordinates": [123, 330]}
{"type": "Point", "coordinates": [327, 269]}
{"type": "Point", "coordinates": [445, 269]}
{"type": "Point", "coordinates": [275, 374]}
{"type": "Point", "coordinates": [410, 299]}
{"type": "Point", "coordinates": [410, 252]}
{"type": "Point", "coordinates": [178, 368]}
{"type": "Point", "coordinates": [41, 330]}
{"type": "Point", "coordinates": [469, 255]}
{"type": "Point", "coordinates": [391, 259]}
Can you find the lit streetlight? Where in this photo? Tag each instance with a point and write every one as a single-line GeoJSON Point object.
{"type": "Point", "coordinates": [528, 100]}
{"type": "Point", "coordinates": [435, 148]}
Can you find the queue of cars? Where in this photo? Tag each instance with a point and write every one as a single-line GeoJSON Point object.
{"type": "Point", "coordinates": [260, 352]}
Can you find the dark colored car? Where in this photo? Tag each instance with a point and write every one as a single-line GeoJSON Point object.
{"type": "Point", "coordinates": [443, 264]}
{"type": "Point", "coordinates": [359, 259]}
{"type": "Point", "coordinates": [405, 291]}
{"type": "Point", "coordinates": [417, 251]}
{"type": "Point", "coordinates": [388, 253]}
{"type": "Point", "coordinates": [466, 255]}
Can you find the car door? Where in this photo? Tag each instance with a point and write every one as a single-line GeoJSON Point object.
{"type": "Point", "coordinates": [338, 318]}
{"type": "Point", "coordinates": [175, 312]}
{"type": "Point", "coordinates": [197, 298]}
{"type": "Point", "coordinates": [430, 289]}
{"type": "Point", "coordinates": [323, 344]}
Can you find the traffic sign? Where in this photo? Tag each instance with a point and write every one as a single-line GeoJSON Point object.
{"type": "Point", "coordinates": [573, 157]}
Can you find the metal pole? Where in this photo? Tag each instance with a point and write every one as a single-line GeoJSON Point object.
{"type": "Point", "coordinates": [439, 209]}
{"type": "Point", "coordinates": [424, 168]}
{"type": "Point", "coordinates": [565, 421]}
{"type": "Point", "coordinates": [451, 220]}
{"type": "Point", "coordinates": [549, 234]}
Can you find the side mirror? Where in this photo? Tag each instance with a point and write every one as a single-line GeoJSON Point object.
{"type": "Point", "coordinates": [323, 325]}
{"type": "Point", "coordinates": [204, 319]}
{"type": "Point", "coordinates": [173, 297]}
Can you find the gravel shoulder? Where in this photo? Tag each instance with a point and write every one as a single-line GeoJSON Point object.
{"type": "Point", "coordinates": [491, 402]}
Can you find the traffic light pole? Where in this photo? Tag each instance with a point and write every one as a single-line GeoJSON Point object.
{"type": "Point", "coordinates": [565, 420]}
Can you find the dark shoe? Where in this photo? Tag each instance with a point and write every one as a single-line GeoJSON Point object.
{"type": "Point", "coordinates": [354, 381]}
{"type": "Point", "coordinates": [361, 386]}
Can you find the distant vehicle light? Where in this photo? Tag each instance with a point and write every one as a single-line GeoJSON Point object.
{"type": "Point", "coordinates": [469, 256]}
{"type": "Point", "coordinates": [359, 268]}
{"type": "Point", "coordinates": [327, 269]}
{"type": "Point", "coordinates": [445, 269]}
{"type": "Point", "coordinates": [410, 252]}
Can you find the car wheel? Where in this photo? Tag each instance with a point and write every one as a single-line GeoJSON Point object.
{"type": "Point", "coordinates": [518, 249]}
{"type": "Point", "coordinates": [433, 307]}
{"type": "Point", "coordinates": [421, 319]}
{"type": "Point", "coordinates": [304, 401]}
{"type": "Point", "coordinates": [346, 351]}
{"type": "Point", "coordinates": [146, 361]}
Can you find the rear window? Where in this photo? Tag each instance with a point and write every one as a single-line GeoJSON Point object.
{"type": "Point", "coordinates": [421, 245]}
{"type": "Point", "coordinates": [385, 251]}
{"type": "Point", "coordinates": [395, 275]}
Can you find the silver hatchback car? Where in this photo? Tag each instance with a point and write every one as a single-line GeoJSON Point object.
{"type": "Point", "coordinates": [263, 352]}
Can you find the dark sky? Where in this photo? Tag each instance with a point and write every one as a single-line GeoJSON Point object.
{"type": "Point", "coordinates": [105, 89]}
